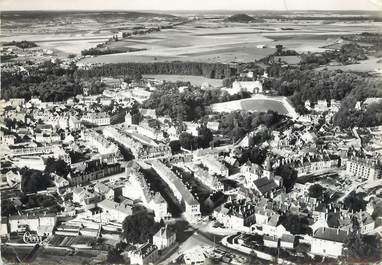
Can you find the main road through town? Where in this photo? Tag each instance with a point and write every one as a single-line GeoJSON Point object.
{"type": "Point", "coordinates": [203, 239]}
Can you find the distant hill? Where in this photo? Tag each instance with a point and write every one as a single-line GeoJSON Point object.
{"type": "Point", "coordinates": [240, 18]}
{"type": "Point", "coordinates": [78, 21]}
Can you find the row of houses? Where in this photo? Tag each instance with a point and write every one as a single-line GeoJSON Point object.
{"type": "Point", "coordinates": [103, 145]}
{"type": "Point", "coordinates": [47, 150]}
{"type": "Point", "coordinates": [93, 170]}
{"type": "Point", "coordinates": [206, 178]}
{"type": "Point", "coordinates": [151, 200]}
{"type": "Point", "coordinates": [309, 163]}
{"type": "Point", "coordinates": [137, 148]}
{"type": "Point", "coordinates": [97, 119]}
{"type": "Point", "coordinates": [181, 192]}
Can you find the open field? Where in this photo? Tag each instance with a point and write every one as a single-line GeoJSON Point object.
{"type": "Point", "coordinates": [70, 32]}
{"type": "Point", "coordinates": [217, 41]}
{"type": "Point", "coordinates": [194, 80]}
{"type": "Point", "coordinates": [369, 65]}
{"type": "Point", "coordinates": [66, 43]}
{"type": "Point", "coordinates": [209, 38]}
{"type": "Point", "coordinates": [188, 43]}
{"type": "Point", "coordinates": [258, 103]}
{"type": "Point", "coordinates": [263, 105]}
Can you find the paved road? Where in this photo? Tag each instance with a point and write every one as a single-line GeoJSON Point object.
{"type": "Point", "coordinates": [352, 188]}
{"type": "Point", "coordinates": [199, 238]}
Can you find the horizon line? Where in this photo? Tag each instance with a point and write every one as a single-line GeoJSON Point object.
{"type": "Point", "coordinates": [177, 10]}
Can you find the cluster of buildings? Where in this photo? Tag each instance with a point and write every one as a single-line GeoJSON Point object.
{"type": "Point", "coordinates": [92, 136]}
{"type": "Point", "coordinates": [248, 82]}
{"type": "Point", "coordinates": [330, 225]}
{"type": "Point", "coordinates": [140, 148]}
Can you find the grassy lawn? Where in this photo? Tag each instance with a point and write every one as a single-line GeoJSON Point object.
{"type": "Point", "coordinates": [263, 105]}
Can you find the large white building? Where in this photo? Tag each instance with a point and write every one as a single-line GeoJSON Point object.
{"type": "Point", "coordinates": [164, 238]}
{"type": "Point", "coordinates": [98, 119]}
{"type": "Point", "coordinates": [114, 211]}
{"type": "Point", "coordinates": [328, 242]}
{"type": "Point", "coordinates": [364, 168]}
{"type": "Point", "coordinates": [253, 87]}
{"type": "Point", "coordinates": [43, 224]}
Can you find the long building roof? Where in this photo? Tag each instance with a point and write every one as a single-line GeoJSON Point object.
{"type": "Point", "coordinates": [186, 194]}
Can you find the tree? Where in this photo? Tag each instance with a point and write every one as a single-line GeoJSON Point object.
{"type": "Point", "coordinates": [205, 136]}
{"type": "Point", "coordinates": [175, 146]}
{"type": "Point", "coordinates": [114, 256]}
{"type": "Point", "coordinates": [289, 176]}
{"type": "Point", "coordinates": [279, 49]}
{"type": "Point", "coordinates": [255, 154]}
{"type": "Point", "coordinates": [316, 190]}
{"type": "Point", "coordinates": [59, 167]}
{"type": "Point", "coordinates": [260, 136]}
{"type": "Point", "coordinates": [362, 247]}
{"type": "Point", "coordinates": [33, 180]}
{"type": "Point", "coordinates": [139, 228]}
{"type": "Point", "coordinates": [295, 224]}
{"type": "Point", "coordinates": [237, 133]}
{"type": "Point", "coordinates": [136, 76]}
{"type": "Point", "coordinates": [188, 141]}
{"type": "Point", "coordinates": [227, 82]}
{"type": "Point", "coordinates": [355, 201]}
{"type": "Point", "coordinates": [258, 155]}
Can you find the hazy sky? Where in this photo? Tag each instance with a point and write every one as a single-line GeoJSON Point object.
{"type": "Point", "coordinates": [191, 4]}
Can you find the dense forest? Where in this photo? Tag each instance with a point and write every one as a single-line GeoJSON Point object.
{"type": "Point", "coordinates": [349, 53]}
{"type": "Point", "coordinates": [209, 70]}
{"type": "Point", "coordinates": [21, 44]}
{"type": "Point", "coordinates": [315, 85]}
{"type": "Point", "coordinates": [242, 18]}
{"type": "Point", "coordinates": [233, 127]}
{"type": "Point", "coordinates": [375, 39]}
{"type": "Point", "coordinates": [238, 123]}
{"type": "Point", "coordinates": [301, 84]}
{"type": "Point", "coordinates": [348, 116]}
{"type": "Point", "coordinates": [49, 82]}
{"type": "Point", "coordinates": [103, 51]}
{"type": "Point", "coordinates": [188, 105]}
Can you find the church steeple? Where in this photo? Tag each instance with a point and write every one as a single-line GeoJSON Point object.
{"type": "Point", "coordinates": [267, 172]}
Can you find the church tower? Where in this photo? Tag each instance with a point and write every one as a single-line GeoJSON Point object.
{"type": "Point", "coordinates": [128, 119]}
{"type": "Point", "coordinates": [268, 172]}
